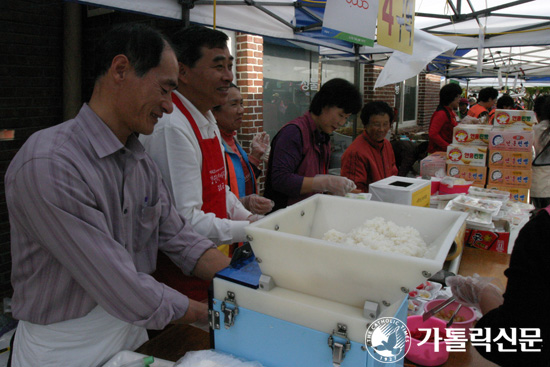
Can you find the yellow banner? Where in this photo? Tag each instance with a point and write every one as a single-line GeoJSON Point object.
{"type": "Point", "coordinates": [396, 25]}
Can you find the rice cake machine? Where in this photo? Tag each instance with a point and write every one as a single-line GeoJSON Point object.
{"type": "Point", "coordinates": [305, 302]}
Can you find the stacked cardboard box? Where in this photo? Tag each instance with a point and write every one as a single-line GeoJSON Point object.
{"type": "Point", "coordinates": [467, 155]}
{"type": "Point", "coordinates": [432, 164]}
{"type": "Point", "coordinates": [511, 153]}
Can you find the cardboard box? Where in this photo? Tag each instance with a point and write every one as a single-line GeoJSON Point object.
{"type": "Point", "coordinates": [471, 134]}
{"type": "Point", "coordinates": [516, 193]}
{"type": "Point", "coordinates": [515, 119]}
{"type": "Point", "coordinates": [470, 173]}
{"type": "Point", "coordinates": [510, 159]}
{"type": "Point", "coordinates": [401, 190]}
{"type": "Point", "coordinates": [505, 139]}
{"type": "Point", "coordinates": [433, 163]}
{"type": "Point", "coordinates": [473, 155]}
{"type": "Point", "coordinates": [510, 177]}
{"type": "Point", "coordinates": [489, 240]}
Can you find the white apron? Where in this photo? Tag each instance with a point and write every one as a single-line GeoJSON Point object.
{"type": "Point", "coordinates": [88, 341]}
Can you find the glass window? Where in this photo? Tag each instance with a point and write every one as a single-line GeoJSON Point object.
{"type": "Point", "coordinates": [291, 76]}
{"type": "Point", "coordinates": [291, 79]}
{"type": "Point", "coordinates": [407, 101]}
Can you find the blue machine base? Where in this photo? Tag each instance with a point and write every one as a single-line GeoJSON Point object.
{"type": "Point", "coordinates": [278, 343]}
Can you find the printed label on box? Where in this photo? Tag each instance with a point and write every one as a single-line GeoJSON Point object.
{"type": "Point", "coordinates": [470, 173]}
{"type": "Point", "coordinates": [515, 119]}
{"type": "Point", "coordinates": [473, 155]}
{"type": "Point", "coordinates": [510, 159]}
{"type": "Point", "coordinates": [505, 139]}
{"type": "Point", "coordinates": [510, 177]}
{"type": "Point", "coordinates": [421, 197]}
{"type": "Point", "coordinates": [471, 134]}
{"type": "Point", "coordinates": [516, 193]}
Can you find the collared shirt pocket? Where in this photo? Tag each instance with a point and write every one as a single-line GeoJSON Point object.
{"type": "Point", "coordinates": [147, 226]}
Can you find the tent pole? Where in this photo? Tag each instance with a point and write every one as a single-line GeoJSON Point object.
{"type": "Point", "coordinates": [186, 5]}
{"type": "Point", "coordinates": [357, 82]}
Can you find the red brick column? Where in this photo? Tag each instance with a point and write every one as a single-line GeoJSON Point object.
{"type": "Point", "coordinates": [428, 97]}
{"type": "Point", "coordinates": [249, 79]}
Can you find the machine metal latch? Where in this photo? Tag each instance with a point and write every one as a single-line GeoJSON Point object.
{"type": "Point", "coordinates": [229, 314]}
{"type": "Point", "coordinates": [339, 349]}
{"type": "Point", "coordinates": [214, 319]}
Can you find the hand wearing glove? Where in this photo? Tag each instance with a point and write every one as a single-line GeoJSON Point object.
{"type": "Point", "coordinates": [260, 146]}
{"type": "Point", "coordinates": [201, 322]}
{"type": "Point", "coordinates": [254, 217]}
{"type": "Point", "coordinates": [336, 185]}
{"type": "Point", "coordinates": [469, 290]}
{"type": "Point", "coordinates": [470, 120]}
{"type": "Point", "coordinates": [257, 204]}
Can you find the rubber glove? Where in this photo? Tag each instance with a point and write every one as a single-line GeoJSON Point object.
{"type": "Point", "coordinates": [468, 290]}
{"type": "Point", "coordinates": [260, 146]}
{"type": "Point", "coordinates": [470, 120]}
{"type": "Point", "coordinates": [202, 322]}
{"type": "Point", "coordinates": [254, 217]}
{"type": "Point", "coordinates": [257, 204]}
{"type": "Point", "coordinates": [336, 185]}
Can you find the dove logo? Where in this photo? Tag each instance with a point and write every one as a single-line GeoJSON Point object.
{"type": "Point", "coordinates": [386, 339]}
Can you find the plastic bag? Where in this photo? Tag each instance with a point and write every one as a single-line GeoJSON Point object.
{"type": "Point", "coordinates": [212, 358]}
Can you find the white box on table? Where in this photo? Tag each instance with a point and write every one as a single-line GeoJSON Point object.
{"type": "Point", "coordinates": [402, 190]}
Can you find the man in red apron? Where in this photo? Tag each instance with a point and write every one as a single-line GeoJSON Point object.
{"type": "Point", "coordinates": [187, 147]}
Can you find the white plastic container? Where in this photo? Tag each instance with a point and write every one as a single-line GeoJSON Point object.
{"type": "Point", "coordinates": [289, 248]}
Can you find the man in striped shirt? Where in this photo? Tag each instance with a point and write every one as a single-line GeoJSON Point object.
{"type": "Point", "coordinates": [89, 211]}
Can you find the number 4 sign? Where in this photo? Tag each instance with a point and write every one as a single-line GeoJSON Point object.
{"type": "Point", "coordinates": [396, 25]}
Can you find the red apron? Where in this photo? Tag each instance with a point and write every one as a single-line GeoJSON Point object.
{"type": "Point", "coordinates": [213, 201]}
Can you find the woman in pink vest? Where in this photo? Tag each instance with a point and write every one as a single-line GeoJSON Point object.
{"type": "Point", "coordinates": [300, 152]}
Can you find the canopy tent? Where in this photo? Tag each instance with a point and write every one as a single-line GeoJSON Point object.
{"type": "Point", "coordinates": [516, 33]}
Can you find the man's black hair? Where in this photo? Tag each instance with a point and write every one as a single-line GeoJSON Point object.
{"type": "Point", "coordinates": [487, 93]}
{"type": "Point", "coordinates": [191, 39]}
{"type": "Point", "coordinates": [140, 43]}
{"type": "Point", "coordinates": [505, 101]}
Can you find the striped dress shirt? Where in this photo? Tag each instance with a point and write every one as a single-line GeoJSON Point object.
{"type": "Point", "coordinates": [87, 218]}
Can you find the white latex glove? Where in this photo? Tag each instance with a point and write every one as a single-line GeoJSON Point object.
{"type": "Point", "coordinates": [257, 204]}
{"type": "Point", "coordinates": [202, 322]}
{"type": "Point", "coordinates": [254, 217]}
{"type": "Point", "coordinates": [336, 185]}
{"type": "Point", "coordinates": [468, 290]}
{"type": "Point", "coordinates": [260, 146]}
{"type": "Point", "coordinates": [470, 120]}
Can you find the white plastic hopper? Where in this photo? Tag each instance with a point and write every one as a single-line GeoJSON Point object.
{"type": "Point", "coordinates": [289, 248]}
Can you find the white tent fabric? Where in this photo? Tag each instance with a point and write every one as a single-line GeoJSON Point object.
{"type": "Point", "coordinates": [511, 25]}
{"type": "Point", "coordinates": [243, 18]}
{"type": "Point", "coordinates": [402, 66]}
{"type": "Point", "coordinates": [161, 8]}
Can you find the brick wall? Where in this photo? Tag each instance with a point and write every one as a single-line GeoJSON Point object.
{"type": "Point", "coordinates": [30, 89]}
{"type": "Point", "coordinates": [249, 79]}
{"type": "Point", "coordinates": [428, 97]}
{"type": "Point", "coordinates": [428, 93]}
{"type": "Point", "coordinates": [386, 93]}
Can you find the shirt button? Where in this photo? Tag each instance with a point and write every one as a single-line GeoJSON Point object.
{"type": "Point", "coordinates": [125, 210]}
